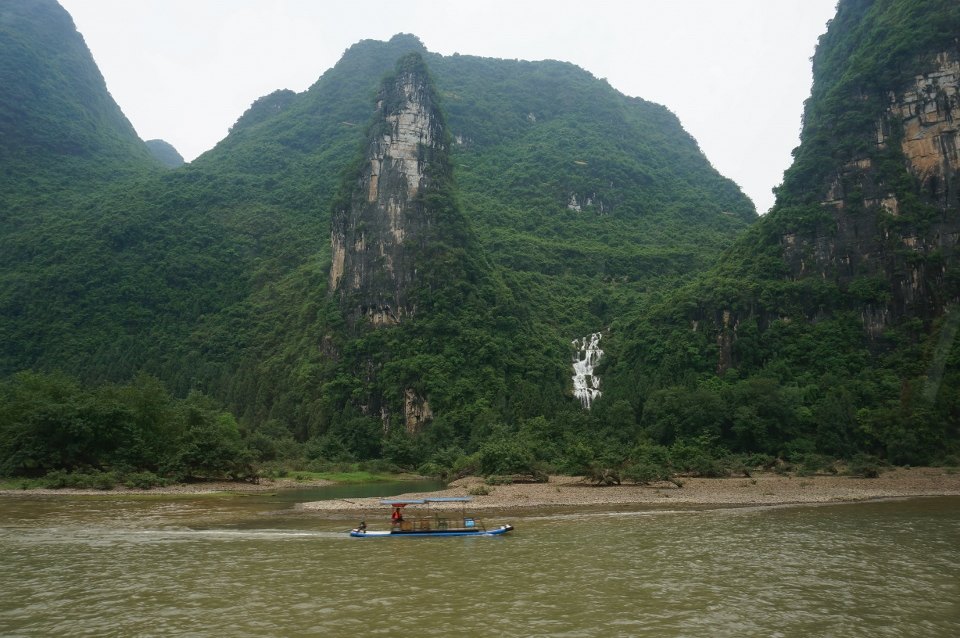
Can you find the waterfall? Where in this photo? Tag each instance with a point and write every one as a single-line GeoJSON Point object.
{"type": "Point", "coordinates": [586, 356]}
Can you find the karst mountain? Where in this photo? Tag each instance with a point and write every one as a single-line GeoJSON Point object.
{"type": "Point", "coordinates": [406, 260]}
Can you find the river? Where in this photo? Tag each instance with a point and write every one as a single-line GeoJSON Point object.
{"type": "Point", "coordinates": [213, 565]}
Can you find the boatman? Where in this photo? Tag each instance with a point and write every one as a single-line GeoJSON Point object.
{"type": "Point", "coordinates": [397, 517]}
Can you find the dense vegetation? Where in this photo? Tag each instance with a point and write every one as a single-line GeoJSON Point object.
{"type": "Point", "coordinates": [145, 311]}
{"type": "Point", "coordinates": [136, 433]}
{"type": "Point", "coordinates": [799, 372]}
{"type": "Point", "coordinates": [165, 153]}
{"type": "Point", "coordinates": [212, 277]}
{"type": "Point", "coordinates": [58, 124]}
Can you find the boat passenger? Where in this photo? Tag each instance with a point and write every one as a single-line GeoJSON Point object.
{"type": "Point", "coordinates": [397, 517]}
{"type": "Point", "coordinates": [362, 526]}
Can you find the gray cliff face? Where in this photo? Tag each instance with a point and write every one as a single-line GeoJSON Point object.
{"type": "Point", "coordinates": [874, 231]}
{"type": "Point", "coordinates": [928, 110]}
{"type": "Point", "coordinates": [376, 238]}
{"type": "Point", "coordinates": [889, 227]}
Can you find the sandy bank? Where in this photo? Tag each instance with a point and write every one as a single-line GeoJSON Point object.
{"type": "Point", "coordinates": [761, 489]}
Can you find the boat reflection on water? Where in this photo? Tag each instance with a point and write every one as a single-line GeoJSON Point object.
{"type": "Point", "coordinates": [430, 523]}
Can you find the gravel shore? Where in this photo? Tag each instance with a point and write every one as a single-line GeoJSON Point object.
{"type": "Point", "coordinates": [765, 488]}
{"type": "Point", "coordinates": [760, 489]}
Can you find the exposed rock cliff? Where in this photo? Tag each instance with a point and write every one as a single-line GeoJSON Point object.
{"type": "Point", "coordinates": [928, 110]}
{"type": "Point", "coordinates": [866, 222]}
{"type": "Point", "coordinates": [893, 208]}
{"type": "Point", "coordinates": [403, 257]}
{"type": "Point", "coordinates": [376, 235]}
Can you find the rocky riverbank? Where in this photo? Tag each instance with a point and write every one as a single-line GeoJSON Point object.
{"type": "Point", "coordinates": [759, 489]}
{"type": "Point", "coordinates": [765, 488]}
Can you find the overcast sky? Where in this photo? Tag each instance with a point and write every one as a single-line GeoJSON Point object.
{"type": "Point", "coordinates": [736, 72]}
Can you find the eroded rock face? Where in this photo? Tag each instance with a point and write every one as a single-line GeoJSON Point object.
{"type": "Point", "coordinates": [416, 411]}
{"type": "Point", "coordinates": [375, 239]}
{"type": "Point", "coordinates": [871, 235]}
{"type": "Point", "coordinates": [929, 111]}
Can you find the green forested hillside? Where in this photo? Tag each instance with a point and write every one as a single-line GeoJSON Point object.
{"type": "Point", "coordinates": [828, 328]}
{"type": "Point", "coordinates": [212, 277]}
{"type": "Point", "coordinates": [823, 330]}
{"type": "Point", "coordinates": [59, 127]}
{"type": "Point", "coordinates": [165, 153]}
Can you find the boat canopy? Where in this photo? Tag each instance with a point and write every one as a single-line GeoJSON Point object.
{"type": "Point", "coordinates": [403, 502]}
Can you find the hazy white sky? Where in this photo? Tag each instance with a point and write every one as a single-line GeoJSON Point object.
{"type": "Point", "coordinates": [736, 72]}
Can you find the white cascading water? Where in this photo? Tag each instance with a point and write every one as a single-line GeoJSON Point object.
{"type": "Point", "coordinates": [586, 356]}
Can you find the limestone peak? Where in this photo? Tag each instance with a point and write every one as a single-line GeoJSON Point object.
{"type": "Point", "coordinates": [378, 233]}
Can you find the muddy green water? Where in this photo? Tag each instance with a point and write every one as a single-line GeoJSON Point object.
{"type": "Point", "coordinates": [222, 566]}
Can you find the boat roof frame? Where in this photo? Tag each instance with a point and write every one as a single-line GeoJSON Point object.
{"type": "Point", "coordinates": [402, 502]}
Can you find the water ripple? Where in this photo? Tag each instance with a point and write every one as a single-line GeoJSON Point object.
{"type": "Point", "coordinates": [880, 569]}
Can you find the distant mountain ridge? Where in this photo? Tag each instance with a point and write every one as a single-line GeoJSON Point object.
{"type": "Point", "coordinates": [56, 115]}
{"type": "Point", "coordinates": [165, 153]}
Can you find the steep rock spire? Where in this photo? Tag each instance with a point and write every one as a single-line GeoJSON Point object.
{"type": "Point", "coordinates": [384, 223]}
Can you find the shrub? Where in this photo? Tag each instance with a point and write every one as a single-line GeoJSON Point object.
{"type": "Point", "coordinates": [643, 473]}
{"type": "Point", "coordinates": [603, 475]}
{"type": "Point", "coordinates": [433, 469]}
{"type": "Point", "coordinates": [380, 466]}
{"type": "Point", "coordinates": [757, 459]}
{"type": "Point", "coordinates": [144, 480]}
{"type": "Point", "coordinates": [465, 466]}
{"type": "Point", "coordinates": [701, 457]}
{"type": "Point", "coordinates": [273, 471]}
{"type": "Point", "coordinates": [504, 456]}
{"type": "Point", "coordinates": [60, 479]}
{"type": "Point", "coordinates": [812, 463]}
{"type": "Point", "coordinates": [55, 480]}
{"type": "Point", "coordinates": [479, 490]}
{"type": "Point", "coordinates": [706, 466]}
{"type": "Point", "coordinates": [782, 467]}
{"type": "Point", "coordinates": [950, 460]}
{"type": "Point", "coordinates": [103, 480]}
{"type": "Point", "coordinates": [539, 474]}
{"type": "Point", "coordinates": [864, 465]}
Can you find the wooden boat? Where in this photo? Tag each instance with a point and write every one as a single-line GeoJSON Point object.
{"type": "Point", "coordinates": [434, 524]}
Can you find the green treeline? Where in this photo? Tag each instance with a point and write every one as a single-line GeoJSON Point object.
{"type": "Point", "coordinates": [803, 388]}
{"type": "Point", "coordinates": [188, 307]}
{"type": "Point", "coordinates": [135, 432]}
